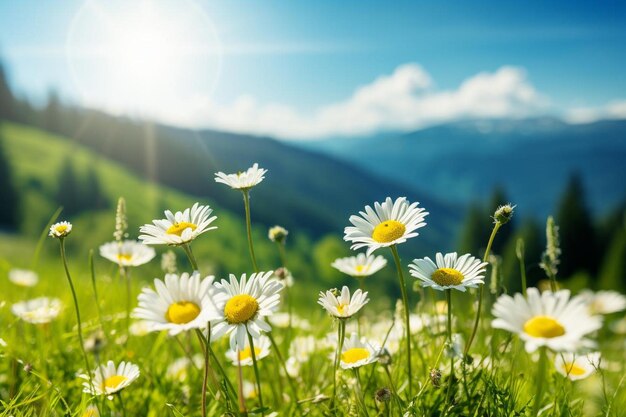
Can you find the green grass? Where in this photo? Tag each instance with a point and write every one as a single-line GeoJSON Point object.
{"type": "Point", "coordinates": [39, 365]}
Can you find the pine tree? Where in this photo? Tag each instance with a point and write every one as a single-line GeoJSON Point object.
{"type": "Point", "coordinates": [578, 240]}
{"type": "Point", "coordinates": [9, 203]}
{"type": "Point", "coordinates": [92, 196]}
{"type": "Point", "coordinates": [68, 189]}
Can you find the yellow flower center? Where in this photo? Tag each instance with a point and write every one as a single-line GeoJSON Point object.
{"type": "Point", "coordinates": [91, 412]}
{"type": "Point", "coordinates": [360, 268]}
{"type": "Point", "coordinates": [179, 228]}
{"type": "Point", "coordinates": [124, 257]}
{"type": "Point", "coordinates": [113, 382]}
{"type": "Point", "coordinates": [388, 231]}
{"type": "Point", "coordinates": [544, 326]}
{"type": "Point", "coordinates": [447, 276]}
{"type": "Point", "coordinates": [354, 355]}
{"type": "Point", "coordinates": [247, 353]}
{"type": "Point", "coordinates": [573, 369]}
{"type": "Point", "coordinates": [341, 308]}
{"type": "Point", "coordinates": [182, 312]}
{"type": "Point", "coordinates": [62, 228]}
{"type": "Point", "coordinates": [240, 308]}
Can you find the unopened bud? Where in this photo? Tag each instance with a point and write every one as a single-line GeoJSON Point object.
{"type": "Point", "coordinates": [435, 377]}
{"type": "Point", "coordinates": [383, 395]}
{"type": "Point", "coordinates": [384, 357]}
{"type": "Point", "coordinates": [503, 214]}
{"type": "Point", "coordinates": [277, 234]}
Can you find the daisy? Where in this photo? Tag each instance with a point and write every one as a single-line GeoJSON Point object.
{"type": "Point", "coordinates": [127, 253]}
{"type": "Point", "coordinates": [389, 223]}
{"type": "Point", "coordinates": [178, 370]}
{"type": "Point", "coordinates": [360, 265]}
{"type": "Point", "coordinates": [107, 379]}
{"type": "Point", "coordinates": [60, 230]}
{"type": "Point", "coordinates": [449, 271]}
{"type": "Point", "coordinates": [244, 356]}
{"type": "Point", "coordinates": [23, 277]}
{"type": "Point", "coordinates": [91, 411]}
{"type": "Point", "coordinates": [178, 304]}
{"type": "Point", "coordinates": [604, 302]}
{"type": "Point", "coordinates": [547, 319]}
{"type": "Point", "coordinates": [356, 353]}
{"type": "Point", "coordinates": [342, 306]}
{"type": "Point", "coordinates": [38, 310]}
{"type": "Point", "coordinates": [577, 367]}
{"type": "Point", "coordinates": [179, 228]}
{"type": "Point", "coordinates": [242, 306]}
{"type": "Point", "coordinates": [242, 180]}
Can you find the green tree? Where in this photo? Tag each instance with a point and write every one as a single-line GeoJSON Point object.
{"type": "Point", "coordinates": [92, 196]}
{"type": "Point", "coordinates": [68, 189]}
{"type": "Point", "coordinates": [9, 203]}
{"type": "Point", "coordinates": [7, 100]}
{"type": "Point", "coordinates": [53, 114]}
{"type": "Point", "coordinates": [578, 240]}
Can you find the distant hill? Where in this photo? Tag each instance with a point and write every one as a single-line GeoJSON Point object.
{"type": "Point", "coordinates": [532, 159]}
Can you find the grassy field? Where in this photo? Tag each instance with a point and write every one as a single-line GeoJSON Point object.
{"type": "Point", "coordinates": [40, 364]}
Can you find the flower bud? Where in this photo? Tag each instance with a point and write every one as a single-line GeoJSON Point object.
{"type": "Point", "coordinates": [503, 214]}
{"type": "Point", "coordinates": [382, 395]}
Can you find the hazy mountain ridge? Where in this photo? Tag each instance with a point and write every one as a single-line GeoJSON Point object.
{"type": "Point", "coordinates": [531, 159]}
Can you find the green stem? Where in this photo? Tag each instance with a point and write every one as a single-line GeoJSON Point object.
{"type": "Point", "coordinates": [341, 330]}
{"type": "Point", "coordinates": [119, 397]}
{"type": "Point", "coordinates": [79, 328]}
{"type": "Point", "coordinates": [256, 372]}
{"type": "Point", "coordinates": [92, 269]}
{"type": "Point", "coordinates": [189, 253]}
{"type": "Point", "coordinates": [129, 301]}
{"type": "Point", "coordinates": [205, 380]}
{"type": "Point", "coordinates": [496, 226]}
{"type": "Point", "coordinates": [230, 388]}
{"type": "Point", "coordinates": [284, 366]}
{"type": "Point", "coordinates": [450, 346]}
{"type": "Point", "coordinates": [522, 269]}
{"type": "Point", "coordinates": [541, 375]}
{"type": "Point", "coordinates": [242, 403]}
{"type": "Point", "coordinates": [405, 301]}
{"type": "Point", "coordinates": [359, 392]}
{"type": "Point", "coordinates": [246, 203]}
{"type": "Point", "coordinates": [282, 254]}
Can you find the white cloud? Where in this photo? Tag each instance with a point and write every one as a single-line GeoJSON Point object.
{"type": "Point", "coordinates": [613, 110]}
{"type": "Point", "coordinates": [404, 100]}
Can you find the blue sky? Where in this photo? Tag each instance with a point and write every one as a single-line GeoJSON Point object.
{"type": "Point", "coordinates": [324, 68]}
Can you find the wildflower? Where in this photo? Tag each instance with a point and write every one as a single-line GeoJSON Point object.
{"type": "Point", "coordinates": [302, 347]}
{"type": "Point", "coordinates": [604, 302]}
{"type": "Point", "coordinates": [96, 342]}
{"type": "Point", "coordinates": [127, 253]}
{"type": "Point", "coordinates": [60, 230]}
{"type": "Point", "coordinates": [38, 310]}
{"type": "Point", "coordinates": [91, 411]}
{"type": "Point", "coordinates": [139, 328]}
{"type": "Point", "coordinates": [244, 356]}
{"type": "Point", "coordinates": [550, 258]}
{"type": "Point", "coordinates": [168, 262]}
{"type": "Point", "coordinates": [242, 306]}
{"type": "Point", "coordinates": [389, 223]}
{"type": "Point", "coordinates": [449, 271]}
{"type": "Point", "coordinates": [109, 379]}
{"type": "Point", "coordinates": [342, 306]}
{"type": "Point", "coordinates": [577, 367]}
{"type": "Point", "coordinates": [503, 214]}
{"type": "Point", "coordinates": [179, 228]}
{"type": "Point", "coordinates": [178, 370]}
{"type": "Point", "coordinates": [242, 180]}
{"type": "Point", "coordinates": [382, 395]}
{"type": "Point", "coordinates": [360, 265]}
{"type": "Point", "coordinates": [23, 277]}
{"type": "Point", "coordinates": [178, 304]}
{"type": "Point", "coordinates": [277, 234]}
{"type": "Point", "coordinates": [284, 275]}
{"type": "Point", "coordinates": [356, 353]}
{"type": "Point", "coordinates": [435, 377]}
{"type": "Point", "coordinates": [549, 319]}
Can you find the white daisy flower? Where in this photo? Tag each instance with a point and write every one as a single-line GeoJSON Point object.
{"type": "Point", "coordinates": [249, 390]}
{"type": "Point", "coordinates": [356, 353]}
{"type": "Point", "coordinates": [107, 379]}
{"type": "Point", "coordinates": [242, 306]}
{"type": "Point", "coordinates": [282, 320]}
{"type": "Point", "coordinates": [277, 234]}
{"type": "Point", "coordinates": [60, 230]}
{"type": "Point", "coordinates": [302, 347]}
{"type": "Point", "coordinates": [449, 271]}
{"type": "Point", "coordinates": [23, 277]}
{"type": "Point", "coordinates": [604, 302]}
{"type": "Point", "coordinates": [342, 305]}
{"type": "Point", "coordinates": [178, 304]}
{"type": "Point", "coordinates": [244, 356]}
{"type": "Point", "coordinates": [242, 180]}
{"type": "Point", "coordinates": [139, 328]}
{"type": "Point", "coordinates": [577, 367]}
{"type": "Point", "coordinates": [360, 265]}
{"type": "Point", "coordinates": [179, 369]}
{"type": "Point", "coordinates": [127, 253]}
{"type": "Point", "coordinates": [91, 411]}
{"type": "Point", "coordinates": [389, 223]}
{"type": "Point", "coordinates": [38, 310]}
{"type": "Point", "coordinates": [547, 319]}
{"type": "Point", "coordinates": [179, 228]}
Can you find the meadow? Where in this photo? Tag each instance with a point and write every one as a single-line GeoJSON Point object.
{"type": "Point", "coordinates": [198, 340]}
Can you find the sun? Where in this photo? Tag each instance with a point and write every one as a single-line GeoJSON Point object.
{"type": "Point", "coordinates": [133, 57]}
